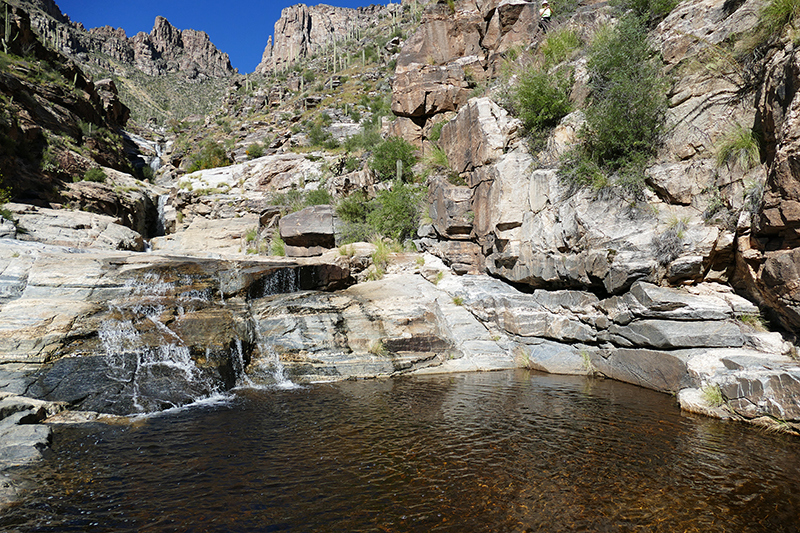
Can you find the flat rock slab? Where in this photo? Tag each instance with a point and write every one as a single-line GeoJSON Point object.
{"type": "Point", "coordinates": [657, 370]}
{"type": "Point", "coordinates": [678, 334]}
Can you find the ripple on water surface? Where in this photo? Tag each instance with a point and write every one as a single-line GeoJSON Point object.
{"type": "Point", "coordinates": [502, 451]}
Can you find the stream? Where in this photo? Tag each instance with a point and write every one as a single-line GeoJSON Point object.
{"type": "Point", "coordinates": [500, 451]}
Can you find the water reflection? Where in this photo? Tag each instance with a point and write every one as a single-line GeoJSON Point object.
{"type": "Point", "coordinates": [507, 451]}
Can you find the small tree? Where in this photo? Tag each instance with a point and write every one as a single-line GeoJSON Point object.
{"type": "Point", "coordinates": [385, 157]}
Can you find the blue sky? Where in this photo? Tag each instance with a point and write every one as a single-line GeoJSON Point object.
{"type": "Point", "coordinates": [238, 27]}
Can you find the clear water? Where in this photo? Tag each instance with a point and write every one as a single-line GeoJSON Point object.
{"type": "Point", "coordinates": [503, 451]}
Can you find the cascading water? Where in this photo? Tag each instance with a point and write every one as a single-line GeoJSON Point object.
{"type": "Point", "coordinates": [281, 281]}
{"type": "Point", "coordinates": [269, 368]}
{"type": "Point", "coordinates": [237, 357]}
{"type": "Point", "coordinates": [161, 219]}
{"type": "Point", "coordinates": [149, 361]}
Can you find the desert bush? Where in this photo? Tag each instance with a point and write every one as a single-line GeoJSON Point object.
{"type": "Point", "coordinates": [627, 110]}
{"type": "Point", "coordinates": [95, 174]}
{"type": "Point", "coordinates": [542, 98]}
{"type": "Point", "coordinates": [210, 155]}
{"type": "Point", "coordinates": [393, 213]}
{"type": "Point", "coordinates": [626, 114]}
{"type": "Point", "coordinates": [739, 145]}
{"type": "Point", "coordinates": [651, 11]}
{"type": "Point", "coordinates": [366, 139]}
{"type": "Point", "coordinates": [560, 45]}
{"type": "Point", "coordinates": [385, 156]}
{"type": "Point", "coordinates": [319, 136]}
{"type": "Point", "coordinates": [5, 197]}
{"type": "Point", "coordinates": [317, 197]}
{"type": "Point", "coordinates": [255, 151]}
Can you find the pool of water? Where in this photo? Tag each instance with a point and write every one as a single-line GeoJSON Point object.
{"type": "Point", "coordinates": [501, 451]}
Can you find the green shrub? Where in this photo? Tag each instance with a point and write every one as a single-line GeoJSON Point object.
{"type": "Point", "coordinates": [395, 213]}
{"type": "Point", "coordinates": [351, 164]}
{"type": "Point", "coordinates": [560, 45]}
{"type": "Point", "coordinates": [277, 246]}
{"type": "Point", "coordinates": [319, 136]}
{"type": "Point", "coordinates": [367, 139]}
{"type": "Point", "coordinates": [317, 197]}
{"type": "Point", "coordinates": [5, 197]}
{"type": "Point", "coordinates": [436, 132]}
{"type": "Point", "coordinates": [651, 11]}
{"type": "Point", "coordinates": [542, 98]}
{"type": "Point", "coordinates": [95, 174]}
{"type": "Point", "coordinates": [210, 155]}
{"type": "Point", "coordinates": [739, 145]}
{"type": "Point", "coordinates": [627, 110]}
{"type": "Point", "coordinates": [626, 114]}
{"type": "Point", "coordinates": [294, 200]}
{"type": "Point", "coordinates": [777, 14]}
{"type": "Point", "coordinates": [353, 208]}
{"type": "Point", "coordinates": [385, 156]}
{"type": "Point", "coordinates": [255, 150]}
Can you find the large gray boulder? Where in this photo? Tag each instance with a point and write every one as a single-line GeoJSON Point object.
{"type": "Point", "coordinates": [77, 229]}
{"type": "Point", "coordinates": [308, 232]}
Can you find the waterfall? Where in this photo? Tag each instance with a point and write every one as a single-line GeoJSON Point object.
{"type": "Point", "coordinates": [237, 357]}
{"type": "Point", "coordinates": [150, 363]}
{"type": "Point", "coordinates": [281, 281]}
{"type": "Point", "coordinates": [160, 220]}
{"type": "Point", "coordinates": [272, 366]}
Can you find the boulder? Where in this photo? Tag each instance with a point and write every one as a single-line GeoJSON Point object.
{"type": "Point", "coordinates": [311, 228]}
{"type": "Point", "coordinates": [74, 228]}
{"type": "Point", "coordinates": [478, 135]}
{"type": "Point", "coordinates": [450, 208]}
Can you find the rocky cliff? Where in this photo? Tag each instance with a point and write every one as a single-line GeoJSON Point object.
{"type": "Point", "coordinates": [165, 49]}
{"type": "Point", "coordinates": [303, 31]}
{"type": "Point", "coordinates": [193, 67]}
{"type": "Point", "coordinates": [56, 122]}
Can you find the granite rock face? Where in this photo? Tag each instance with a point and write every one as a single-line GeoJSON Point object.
{"type": "Point", "coordinates": [165, 49]}
{"type": "Point", "coordinates": [442, 61]}
{"type": "Point", "coordinates": [122, 332]}
{"type": "Point", "coordinates": [302, 31]}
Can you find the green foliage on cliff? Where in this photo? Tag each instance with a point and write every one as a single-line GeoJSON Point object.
{"type": "Point", "coordinates": [385, 156]}
{"type": "Point", "coordinates": [626, 114]}
{"type": "Point", "coordinates": [739, 145]}
{"type": "Point", "coordinates": [543, 97]}
{"type": "Point", "coordinates": [393, 213]}
{"type": "Point", "coordinates": [777, 14]}
{"type": "Point", "coordinates": [5, 197]}
{"type": "Point", "coordinates": [210, 155]}
{"type": "Point", "coordinates": [95, 174]}
{"type": "Point", "coordinates": [650, 11]}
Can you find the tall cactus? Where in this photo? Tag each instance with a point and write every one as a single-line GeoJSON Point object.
{"type": "Point", "coordinates": [7, 38]}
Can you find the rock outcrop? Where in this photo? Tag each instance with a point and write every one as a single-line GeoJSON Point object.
{"type": "Point", "coordinates": [308, 232]}
{"type": "Point", "coordinates": [303, 31]}
{"type": "Point", "coordinates": [770, 248]}
{"type": "Point", "coordinates": [450, 53]}
{"type": "Point", "coordinates": [119, 332]}
{"type": "Point", "coordinates": [165, 49]}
